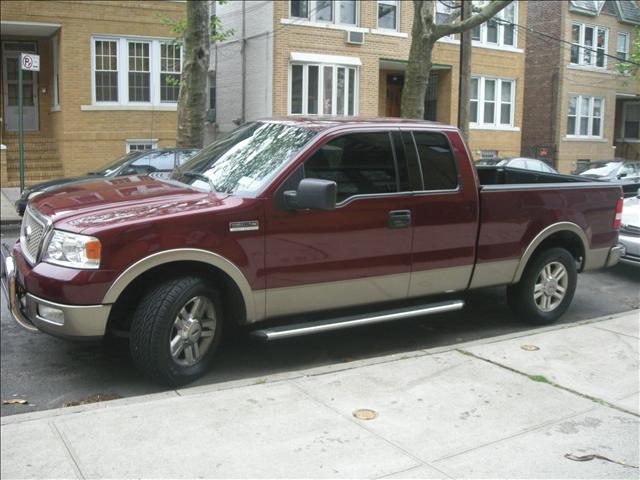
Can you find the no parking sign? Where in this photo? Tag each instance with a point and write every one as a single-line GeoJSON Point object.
{"type": "Point", "coordinates": [30, 62]}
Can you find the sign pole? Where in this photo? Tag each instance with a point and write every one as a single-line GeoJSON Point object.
{"type": "Point", "coordinates": [20, 126]}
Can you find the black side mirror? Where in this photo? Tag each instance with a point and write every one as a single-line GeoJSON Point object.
{"type": "Point", "coordinates": [312, 193]}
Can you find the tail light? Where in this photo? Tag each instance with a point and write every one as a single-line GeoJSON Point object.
{"type": "Point", "coordinates": [617, 220]}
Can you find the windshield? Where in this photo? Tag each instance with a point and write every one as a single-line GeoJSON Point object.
{"type": "Point", "coordinates": [242, 162]}
{"type": "Point", "coordinates": [602, 169]}
{"type": "Point", "coordinates": [111, 167]}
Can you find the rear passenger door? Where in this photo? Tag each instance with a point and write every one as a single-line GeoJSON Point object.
{"type": "Point", "coordinates": [445, 214]}
{"type": "Point", "coordinates": [360, 252]}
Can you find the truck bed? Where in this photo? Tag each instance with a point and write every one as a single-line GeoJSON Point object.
{"type": "Point", "coordinates": [494, 176]}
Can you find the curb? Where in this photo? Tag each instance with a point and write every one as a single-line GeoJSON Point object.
{"type": "Point", "coordinates": [294, 374]}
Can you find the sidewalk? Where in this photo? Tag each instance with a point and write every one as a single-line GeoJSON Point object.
{"type": "Point", "coordinates": [485, 409]}
{"type": "Point", "coordinates": [8, 214]}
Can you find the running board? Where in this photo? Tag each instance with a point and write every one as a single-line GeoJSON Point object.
{"type": "Point", "coordinates": [309, 328]}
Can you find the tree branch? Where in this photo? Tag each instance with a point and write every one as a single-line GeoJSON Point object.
{"type": "Point", "coordinates": [486, 13]}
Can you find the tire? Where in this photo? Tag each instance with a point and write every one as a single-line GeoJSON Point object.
{"type": "Point", "coordinates": [184, 314]}
{"type": "Point", "coordinates": [535, 298]}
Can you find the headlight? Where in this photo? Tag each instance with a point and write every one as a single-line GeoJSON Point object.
{"type": "Point", "coordinates": [73, 250]}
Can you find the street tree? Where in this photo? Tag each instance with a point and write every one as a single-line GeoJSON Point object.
{"type": "Point", "coordinates": [424, 34]}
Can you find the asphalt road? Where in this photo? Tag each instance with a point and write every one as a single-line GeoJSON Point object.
{"type": "Point", "coordinates": [47, 372]}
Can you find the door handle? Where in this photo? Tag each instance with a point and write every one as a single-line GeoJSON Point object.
{"type": "Point", "coordinates": [399, 219]}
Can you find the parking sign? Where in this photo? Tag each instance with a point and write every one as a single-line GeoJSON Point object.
{"type": "Point", "coordinates": [30, 62]}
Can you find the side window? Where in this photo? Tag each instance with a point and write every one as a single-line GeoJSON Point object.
{"type": "Point", "coordinates": [518, 163]}
{"type": "Point", "coordinates": [627, 169]}
{"type": "Point", "coordinates": [360, 163]}
{"type": "Point", "coordinates": [436, 160]}
{"type": "Point", "coordinates": [162, 160]}
{"type": "Point", "coordinates": [535, 165]}
{"type": "Point", "coordinates": [184, 155]}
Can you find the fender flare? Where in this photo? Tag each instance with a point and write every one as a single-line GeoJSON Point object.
{"type": "Point", "coordinates": [183, 255]}
{"type": "Point", "coordinates": [542, 236]}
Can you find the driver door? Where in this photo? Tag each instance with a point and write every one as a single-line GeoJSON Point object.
{"type": "Point", "coordinates": [360, 252]}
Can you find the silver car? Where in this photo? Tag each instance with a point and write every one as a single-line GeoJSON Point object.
{"type": "Point", "coordinates": [630, 230]}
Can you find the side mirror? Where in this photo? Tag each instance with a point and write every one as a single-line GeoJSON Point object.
{"type": "Point", "coordinates": [312, 193]}
{"type": "Point", "coordinates": [622, 175]}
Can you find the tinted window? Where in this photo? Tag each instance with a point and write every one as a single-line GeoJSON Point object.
{"type": "Point", "coordinates": [535, 165]}
{"type": "Point", "coordinates": [360, 163]}
{"type": "Point", "coordinates": [518, 163]}
{"type": "Point", "coordinates": [436, 161]}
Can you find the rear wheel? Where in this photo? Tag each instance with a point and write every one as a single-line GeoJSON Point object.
{"type": "Point", "coordinates": [546, 288]}
{"type": "Point", "coordinates": [176, 329]}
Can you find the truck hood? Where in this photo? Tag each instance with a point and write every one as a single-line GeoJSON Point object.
{"type": "Point", "coordinates": [108, 201]}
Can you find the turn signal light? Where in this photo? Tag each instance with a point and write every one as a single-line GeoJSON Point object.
{"type": "Point", "coordinates": [92, 250]}
{"type": "Point", "coordinates": [617, 220]}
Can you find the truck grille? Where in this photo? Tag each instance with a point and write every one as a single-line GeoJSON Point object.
{"type": "Point", "coordinates": [630, 230]}
{"type": "Point", "coordinates": [32, 234]}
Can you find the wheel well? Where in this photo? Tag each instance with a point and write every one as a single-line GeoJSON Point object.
{"type": "Point", "coordinates": [567, 240]}
{"type": "Point", "coordinates": [232, 300]}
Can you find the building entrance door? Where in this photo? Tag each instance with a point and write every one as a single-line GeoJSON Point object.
{"type": "Point", "coordinates": [10, 54]}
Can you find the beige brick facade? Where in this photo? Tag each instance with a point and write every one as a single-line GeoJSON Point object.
{"type": "Point", "coordinates": [84, 139]}
{"type": "Point", "coordinates": [379, 47]}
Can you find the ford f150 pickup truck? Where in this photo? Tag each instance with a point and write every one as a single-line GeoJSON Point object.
{"type": "Point", "coordinates": [358, 221]}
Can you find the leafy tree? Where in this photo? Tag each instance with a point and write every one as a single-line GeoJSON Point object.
{"type": "Point", "coordinates": [424, 34]}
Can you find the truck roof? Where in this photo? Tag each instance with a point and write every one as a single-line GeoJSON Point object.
{"type": "Point", "coordinates": [320, 123]}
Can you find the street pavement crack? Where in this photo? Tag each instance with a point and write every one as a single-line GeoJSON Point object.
{"type": "Point", "coordinates": [541, 379]}
{"type": "Point", "coordinates": [67, 447]}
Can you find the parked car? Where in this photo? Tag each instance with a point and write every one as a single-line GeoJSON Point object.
{"type": "Point", "coordinates": [630, 230]}
{"type": "Point", "coordinates": [518, 162]}
{"type": "Point", "coordinates": [624, 172]}
{"type": "Point", "coordinates": [160, 162]}
{"type": "Point", "coordinates": [351, 219]}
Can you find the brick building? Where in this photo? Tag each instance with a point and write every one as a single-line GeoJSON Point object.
{"type": "Point", "coordinates": [578, 108]}
{"type": "Point", "coordinates": [347, 57]}
{"type": "Point", "coordinates": [102, 88]}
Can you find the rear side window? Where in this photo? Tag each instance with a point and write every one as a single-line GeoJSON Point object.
{"type": "Point", "coordinates": [359, 163]}
{"type": "Point", "coordinates": [436, 160]}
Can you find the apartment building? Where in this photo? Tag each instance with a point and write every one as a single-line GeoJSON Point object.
{"type": "Point", "coordinates": [103, 87]}
{"type": "Point", "coordinates": [348, 58]}
{"type": "Point", "coordinates": [578, 107]}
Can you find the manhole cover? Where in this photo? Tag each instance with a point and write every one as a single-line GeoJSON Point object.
{"type": "Point", "coordinates": [530, 348]}
{"type": "Point", "coordinates": [365, 414]}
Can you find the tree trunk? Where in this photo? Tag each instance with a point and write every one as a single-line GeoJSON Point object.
{"type": "Point", "coordinates": [192, 101]}
{"type": "Point", "coordinates": [465, 75]}
{"type": "Point", "coordinates": [419, 65]}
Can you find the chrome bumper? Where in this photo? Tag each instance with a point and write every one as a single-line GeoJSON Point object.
{"type": "Point", "coordinates": [71, 321]}
{"type": "Point", "coordinates": [615, 254]}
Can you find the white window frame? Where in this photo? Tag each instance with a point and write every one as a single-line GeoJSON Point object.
{"type": "Point", "coordinates": [396, 3]}
{"type": "Point", "coordinates": [499, 16]}
{"type": "Point", "coordinates": [594, 48]}
{"type": "Point", "coordinates": [123, 70]}
{"type": "Point", "coordinates": [497, 101]}
{"type": "Point", "coordinates": [590, 116]}
{"type": "Point", "coordinates": [55, 73]}
{"type": "Point", "coordinates": [625, 52]}
{"type": "Point", "coordinates": [167, 72]}
{"type": "Point", "coordinates": [335, 20]}
{"type": "Point", "coordinates": [624, 138]}
{"type": "Point", "coordinates": [334, 90]}
{"type": "Point", "coordinates": [153, 142]}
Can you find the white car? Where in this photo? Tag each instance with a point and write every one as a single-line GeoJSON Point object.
{"type": "Point", "coordinates": [630, 230]}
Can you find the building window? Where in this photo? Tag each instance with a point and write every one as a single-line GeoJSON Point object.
{"type": "Point", "coordinates": [55, 76]}
{"type": "Point", "coordinates": [500, 30]}
{"type": "Point", "coordinates": [147, 70]}
{"type": "Point", "coordinates": [106, 71]}
{"type": "Point", "coordinates": [589, 45]}
{"type": "Point", "coordinates": [323, 89]}
{"type": "Point", "coordinates": [584, 116]}
{"type": "Point", "coordinates": [622, 46]}
{"type": "Point", "coordinates": [492, 102]}
{"type": "Point", "coordinates": [631, 120]}
{"type": "Point", "coordinates": [140, 145]}
{"type": "Point", "coordinates": [388, 14]}
{"type": "Point", "coordinates": [343, 12]}
{"type": "Point", "coordinates": [170, 68]}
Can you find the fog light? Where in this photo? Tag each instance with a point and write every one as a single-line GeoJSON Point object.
{"type": "Point", "coordinates": [53, 315]}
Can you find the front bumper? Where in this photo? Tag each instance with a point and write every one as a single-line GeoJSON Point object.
{"type": "Point", "coordinates": [36, 314]}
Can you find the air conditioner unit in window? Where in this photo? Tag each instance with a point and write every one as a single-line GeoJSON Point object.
{"type": "Point", "coordinates": [355, 38]}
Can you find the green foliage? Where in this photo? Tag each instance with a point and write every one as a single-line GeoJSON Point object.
{"type": "Point", "coordinates": [629, 68]}
{"type": "Point", "coordinates": [216, 31]}
{"type": "Point", "coordinates": [538, 378]}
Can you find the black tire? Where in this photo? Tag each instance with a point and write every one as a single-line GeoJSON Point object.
{"type": "Point", "coordinates": [153, 326]}
{"type": "Point", "coordinates": [520, 296]}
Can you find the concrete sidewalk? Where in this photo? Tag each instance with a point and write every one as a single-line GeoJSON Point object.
{"type": "Point", "coordinates": [507, 407]}
{"type": "Point", "coordinates": [8, 214]}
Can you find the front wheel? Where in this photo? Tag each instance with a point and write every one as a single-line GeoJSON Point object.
{"type": "Point", "coordinates": [546, 288]}
{"type": "Point", "coordinates": [176, 329]}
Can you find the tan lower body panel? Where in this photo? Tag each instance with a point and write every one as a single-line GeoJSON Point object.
{"type": "Point", "coordinates": [490, 274]}
{"type": "Point", "coordinates": [439, 280]}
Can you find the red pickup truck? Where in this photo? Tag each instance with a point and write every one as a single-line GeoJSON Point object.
{"type": "Point", "coordinates": [351, 219]}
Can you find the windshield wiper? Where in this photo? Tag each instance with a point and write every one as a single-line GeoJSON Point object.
{"type": "Point", "coordinates": [200, 176]}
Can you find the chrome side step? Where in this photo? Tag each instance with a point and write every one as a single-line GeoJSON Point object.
{"type": "Point", "coordinates": [319, 326]}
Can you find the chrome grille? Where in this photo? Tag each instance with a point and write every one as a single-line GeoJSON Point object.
{"type": "Point", "coordinates": [630, 230]}
{"type": "Point", "coordinates": [32, 234]}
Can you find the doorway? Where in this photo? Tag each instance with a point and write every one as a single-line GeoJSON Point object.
{"type": "Point", "coordinates": [395, 81]}
{"type": "Point", "coordinates": [10, 56]}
